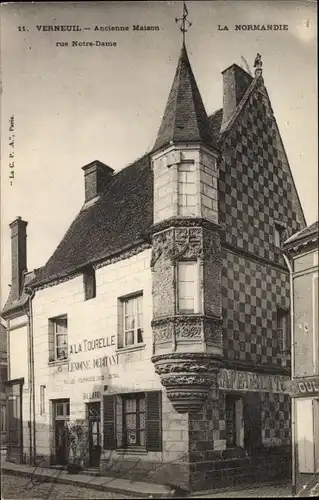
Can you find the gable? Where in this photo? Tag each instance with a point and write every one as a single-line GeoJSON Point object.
{"type": "Point", "coordinates": [256, 187]}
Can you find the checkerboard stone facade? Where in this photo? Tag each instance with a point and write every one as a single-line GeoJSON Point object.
{"type": "Point", "coordinates": [251, 293]}
{"type": "Point", "coordinates": [256, 188]}
{"type": "Point", "coordinates": [275, 417]}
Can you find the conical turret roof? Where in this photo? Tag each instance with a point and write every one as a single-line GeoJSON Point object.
{"type": "Point", "coordinates": [185, 118]}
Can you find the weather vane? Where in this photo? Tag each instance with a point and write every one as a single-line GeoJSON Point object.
{"type": "Point", "coordinates": [184, 22]}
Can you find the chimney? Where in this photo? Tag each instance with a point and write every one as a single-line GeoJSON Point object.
{"type": "Point", "coordinates": [18, 255]}
{"type": "Point", "coordinates": [96, 176]}
{"type": "Point", "coordinates": [235, 83]}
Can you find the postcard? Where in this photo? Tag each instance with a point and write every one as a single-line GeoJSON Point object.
{"type": "Point", "coordinates": [159, 190]}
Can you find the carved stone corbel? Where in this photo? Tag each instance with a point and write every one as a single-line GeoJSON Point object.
{"type": "Point", "coordinates": [188, 378]}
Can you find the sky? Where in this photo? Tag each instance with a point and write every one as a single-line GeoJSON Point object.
{"type": "Point", "coordinates": [72, 105]}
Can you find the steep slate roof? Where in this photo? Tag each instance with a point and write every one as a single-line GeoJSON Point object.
{"type": "Point", "coordinates": [185, 118]}
{"type": "Point", "coordinates": [215, 121]}
{"type": "Point", "coordinates": [309, 234]}
{"type": "Point", "coordinates": [123, 215]}
{"type": "Point", "coordinates": [120, 218]}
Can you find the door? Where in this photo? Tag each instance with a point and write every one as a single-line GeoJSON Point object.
{"type": "Point", "coordinates": [252, 422]}
{"type": "Point", "coordinates": [14, 421]}
{"type": "Point", "coordinates": [94, 417]}
{"type": "Point", "coordinates": [230, 417]}
{"type": "Point", "coordinates": [61, 442]}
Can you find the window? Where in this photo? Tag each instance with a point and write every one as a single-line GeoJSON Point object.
{"type": "Point", "coordinates": [130, 321]}
{"type": "Point", "coordinates": [62, 409]}
{"type": "Point", "coordinates": [89, 283]}
{"type": "Point", "coordinates": [58, 338]}
{"type": "Point", "coordinates": [186, 189]}
{"type": "Point", "coordinates": [283, 329]}
{"type": "Point", "coordinates": [133, 421]}
{"type": "Point", "coordinates": [307, 414]}
{"type": "Point", "coordinates": [277, 238]}
{"type": "Point", "coordinates": [279, 229]}
{"type": "Point", "coordinates": [42, 399]}
{"type": "Point", "coordinates": [187, 287]}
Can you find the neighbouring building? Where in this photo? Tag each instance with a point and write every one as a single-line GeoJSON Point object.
{"type": "Point", "coordinates": [3, 378]}
{"type": "Point", "coordinates": [302, 252]}
{"type": "Point", "coordinates": [20, 398]}
{"type": "Point", "coordinates": [160, 322]}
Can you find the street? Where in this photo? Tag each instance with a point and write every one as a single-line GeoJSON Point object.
{"type": "Point", "coordinates": [20, 487]}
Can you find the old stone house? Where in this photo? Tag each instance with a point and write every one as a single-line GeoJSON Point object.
{"type": "Point", "coordinates": [161, 319]}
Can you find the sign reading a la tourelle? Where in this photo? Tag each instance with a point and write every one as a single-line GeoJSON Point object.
{"type": "Point", "coordinates": [89, 346]}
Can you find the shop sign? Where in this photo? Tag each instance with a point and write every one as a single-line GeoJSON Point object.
{"type": "Point", "coordinates": [91, 345]}
{"type": "Point", "coordinates": [306, 387]}
{"type": "Point", "coordinates": [249, 381]}
{"type": "Point", "coordinates": [91, 395]}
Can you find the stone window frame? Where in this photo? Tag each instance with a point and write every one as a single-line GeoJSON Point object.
{"type": "Point", "coordinates": [138, 328]}
{"type": "Point", "coordinates": [186, 167]}
{"type": "Point", "coordinates": [196, 297]}
{"type": "Point", "coordinates": [53, 343]}
{"type": "Point", "coordinates": [283, 328]}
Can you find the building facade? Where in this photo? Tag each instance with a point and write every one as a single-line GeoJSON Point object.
{"type": "Point", "coordinates": [20, 401]}
{"type": "Point", "coordinates": [159, 324]}
{"type": "Point", "coordinates": [302, 252]}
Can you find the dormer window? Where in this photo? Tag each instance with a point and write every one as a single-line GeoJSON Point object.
{"type": "Point", "coordinates": [89, 283]}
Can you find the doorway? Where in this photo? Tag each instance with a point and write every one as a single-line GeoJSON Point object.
{"type": "Point", "coordinates": [14, 421]}
{"type": "Point", "coordinates": [94, 418]}
{"type": "Point", "coordinates": [61, 418]}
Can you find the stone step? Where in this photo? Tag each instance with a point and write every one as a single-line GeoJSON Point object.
{"type": "Point", "coordinates": [92, 471]}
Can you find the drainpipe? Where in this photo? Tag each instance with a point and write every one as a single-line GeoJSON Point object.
{"type": "Point", "coordinates": [29, 313]}
{"type": "Point", "coordinates": [293, 424]}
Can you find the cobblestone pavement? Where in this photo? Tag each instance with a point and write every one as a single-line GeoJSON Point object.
{"type": "Point", "coordinates": [20, 488]}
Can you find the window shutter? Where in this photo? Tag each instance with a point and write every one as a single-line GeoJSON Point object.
{"type": "Point", "coordinates": [154, 420]}
{"type": "Point", "coordinates": [109, 422]}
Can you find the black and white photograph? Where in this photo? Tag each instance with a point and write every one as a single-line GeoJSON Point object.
{"type": "Point", "coordinates": [159, 249]}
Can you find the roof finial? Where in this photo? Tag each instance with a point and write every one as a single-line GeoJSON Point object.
{"type": "Point", "coordinates": [184, 23]}
{"type": "Point", "coordinates": [258, 65]}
